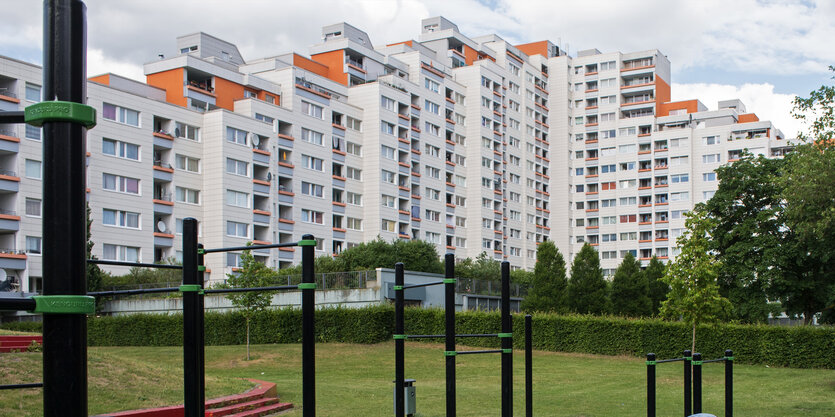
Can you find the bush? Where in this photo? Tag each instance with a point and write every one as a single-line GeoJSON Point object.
{"type": "Point", "coordinates": [798, 347]}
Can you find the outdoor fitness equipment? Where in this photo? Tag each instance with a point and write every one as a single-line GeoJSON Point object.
{"type": "Point", "coordinates": [692, 404]}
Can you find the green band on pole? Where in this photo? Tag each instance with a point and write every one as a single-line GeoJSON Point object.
{"type": "Point", "coordinates": [399, 337]}
{"type": "Point", "coordinates": [64, 304]}
{"type": "Point", "coordinates": [729, 358]}
{"type": "Point", "coordinates": [694, 363]}
{"type": "Point", "coordinates": [505, 335]}
{"type": "Point", "coordinates": [201, 268]}
{"type": "Point", "coordinates": [398, 287]}
{"type": "Point", "coordinates": [201, 251]}
{"type": "Point", "coordinates": [191, 288]}
{"type": "Point", "coordinates": [507, 350]}
{"type": "Point", "coordinates": [449, 280]}
{"type": "Point", "coordinates": [450, 353]}
{"type": "Point", "coordinates": [307, 286]}
{"type": "Point", "coordinates": [59, 111]}
{"type": "Point", "coordinates": [310, 242]}
{"type": "Point", "coordinates": [650, 363]}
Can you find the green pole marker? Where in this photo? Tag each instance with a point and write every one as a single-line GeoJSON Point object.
{"type": "Point", "coordinates": [650, 362]}
{"type": "Point", "coordinates": [694, 363]}
{"type": "Point", "coordinates": [450, 353]}
{"type": "Point", "coordinates": [201, 251]}
{"type": "Point", "coordinates": [307, 242]}
{"type": "Point", "coordinates": [307, 286]}
{"type": "Point", "coordinates": [398, 288]}
{"type": "Point", "coordinates": [729, 358]}
{"type": "Point", "coordinates": [191, 288]}
{"type": "Point", "coordinates": [449, 280]}
{"type": "Point", "coordinates": [60, 111]}
{"type": "Point", "coordinates": [201, 268]}
{"type": "Point", "coordinates": [399, 337]}
{"type": "Point", "coordinates": [505, 335]}
{"type": "Point", "coordinates": [64, 304]}
{"type": "Point", "coordinates": [507, 350]}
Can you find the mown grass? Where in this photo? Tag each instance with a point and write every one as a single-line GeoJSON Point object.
{"type": "Point", "coordinates": [356, 380]}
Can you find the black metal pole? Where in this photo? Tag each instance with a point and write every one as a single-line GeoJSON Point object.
{"type": "Point", "coordinates": [688, 402]}
{"type": "Point", "coordinates": [729, 383]}
{"type": "Point", "coordinates": [507, 344]}
{"type": "Point", "coordinates": [192, 314]}
{"type": "Point", "coordinates": [64, 209]}
{"type": "Point", "coordinates": [528, 366]}
{"type": "Point", "coordinates": [399, 344]}
{"type": "Point", "coordinates": [697, 383]}
{"type": "Point", "coordinates": [201, 324]}
{"type": "Point", "coordinates": [650, 385]}
{"type": "Point", "coordinates": [449, 310]}
{"type": "Point", "coordinates": [308, 330]}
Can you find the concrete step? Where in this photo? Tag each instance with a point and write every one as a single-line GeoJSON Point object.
{"type": "Point", "coordinates": [264, 411]}
{"type": "Point", "coordinates": [240, 407]}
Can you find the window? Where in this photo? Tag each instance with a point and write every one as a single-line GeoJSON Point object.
{"type": "Point", "coordinates": [236, 167]}
{"type": "Point", "coordinates": [680, 178]}
{"type": "Point", "coordinates": [33, 132]}
{"type": "Point", "coordinates": [431, 85]}
{"type": "Point", "coordinates": [387, 128]}
{"type": "Point", "coordinates": [312, 136]}
{"type": "Point", "coordinates": [353, 173]}
{"type": "Point", "coordinates": [311, 216]}
{"type": "Point", "coordinates": [311, 189]}
{"type": "Point", "coordinates": [185, 131]}
{"type": "Point", "coordinates": [33, 169]}
{"type": "Point", "coordinates": [388, 103]}
{"type": "Point", "coordinates": [120, 114]}
{"type": "Point", "coordinates": [433, 194]}
{"type": "Point", "coordinates": [233, 260]}
{"type": "Point", "coordinates": [121, 184]}
{"type": "Point", "coordinates": [265, 119]}
{"type": "Point", "coordinates": [628, 148]}
{"type": "Point", "coordinates": [236, 229]}
{"type": "Point", "coordinates": [627, 131]}
{"type": "Point", "coordinates": [707, 195]}
{"type": "Point", "coordinates": [678, 143]}
{"type": "Point", "coordinates": [607, 151]}
{"type": "Point", "coordinates": [120, 253]}
{"type": "Point", "coordinates": [628, 218]}
{"type": "Point", "coordinates": [387, 152]}
{"type": "Point", "coordinates": [711, 140]}
{"type": "Point", "coordinates": [607, 117]}
{"type": "Point", "coordinates": [353, 223]}
{"type": "Point", "coordinates": [187, 195]}
{"type": "Point", "coordinates": [33, 245]}
{"type": "Point", "coordinates": [432, 172]}
{"type": "Point", "coordinates": [709, 176]}
{"type": "Point", "coordinates": [678, 160]}
{"type": "Point", "coordinates": [120, 218]}
{"type": "Point", "coordinates": [237, 199]}
{"type": "Point", "coordinates": [710, 158]}
{"type": "Point", "coordinates": [387, 225]}
{"type": "Point", "coordinates": [353, 148]}
{"type": "Point", "coordinates": [33, 207]}
{"type": "Point", "coordinates": [432, 107]}
{"type": "Point", "coordinates": [235, 136]}
{"type": "Point", "coordinates": [682, 196]}
{"type": "Point", "coordinates": [432, 215]}
{"type": "Point", "coordinates": [628, 201]}
{"type": "Point", "coordinates": [312, 110]}
{"type": "Point", "coordinates": [388, 201]}
{"type": "Point", "coordinates": [433, 129]}
{"type": "Point", "coordinates": [33, 92]}
{"type": "Point", "coordinates": [310, 162]}
{"type": "Point", "coordinates": [353, 124]}
{"type": "Point", "coordinates": [387, 176]}
{"type": "Point", "coordinates": [353, 198]}
{"type": "Point", "coordinates": [120, 149]}
{"type": "Point", "coordinates": [187, 163]}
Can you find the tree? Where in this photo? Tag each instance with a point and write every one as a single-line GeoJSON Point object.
{"type": "Point", "coordinates": [548, 285]}
{"type": "Point", "coordinates": [630, 289]}
{"type": "Point", "coordinates": [418, 255]}
{"type": "Point", "coordinates": [694, 291]}
{"type": "Point", "coordinates": [483, 267]}
{"type": "Point", "coordinates": [658, 289]}
{"type": "Point", "coordinates": [252, 274]}
{"type": "Point", "coordinates": [587, 290]}
{"type": "Point", "coordinates": [94, 273]}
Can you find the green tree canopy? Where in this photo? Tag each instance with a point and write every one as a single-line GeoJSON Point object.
{"type": "Point", "coordinates": [587, 289]}
{"type": "Point", "coordinates": [484, 267]}
{"type": "Point", "coordinates": [252, 274]}
{"type": "Point", "coordinates": [548, 287]}
{"type": "Point", "coordinates": [658, 289]}
{"type": "Point", "coordinates": [417, 255]}
{"type": "Point", "coordinates": [630, 289]}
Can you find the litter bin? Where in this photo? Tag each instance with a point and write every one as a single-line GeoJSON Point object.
{"type": "Point", "coordinates": [409, 396]}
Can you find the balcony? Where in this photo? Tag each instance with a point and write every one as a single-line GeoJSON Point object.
{"type": "Point", "coordinates": [9, 221]}
{"type": "Point", "coordinates": [12, 259]}
{"type": "Point", "coordinates": [163, 171]}
{"type": "Point", "coordinates": [9, 181]}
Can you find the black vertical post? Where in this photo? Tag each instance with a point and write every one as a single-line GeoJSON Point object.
{"type": "Point", "coordinates": [64, 209]}
{"type": "Point", "coordinates": [688, 403]}
{"type": "Point", "coordinates": [192, 328]}
{"type": "Point", "coordinates": [650, 385]}
{"type": "Point", "coordinates": [697, 383]}
{"type": "Point", "coordinates": [201, 326]}
{"type": "Point", "coordinates": [449, 310]}
{"type": "Point", "coordinates": [507, 344]}
{"type": "Point", "coordinates": [528, 367]}
{"type": "Point", "coordinates": [308, 330]}
{"type": "Point", "coordinates": [729, 383]}
{"type": "Point", "coordinates": [399, 352]}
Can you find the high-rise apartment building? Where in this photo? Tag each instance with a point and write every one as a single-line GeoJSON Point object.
{"type": "Point", "coordinates": [472, 144]}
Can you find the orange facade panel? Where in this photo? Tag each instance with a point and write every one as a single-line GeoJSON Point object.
{"type": "Point", "coordinates": [101, 79]}
{"type": "Point", "coordinates": [470, 55]}
{"type": "Point", "coordinates": [409, 42]}
{"type": "Point", "coordinates": [662, 94]}
{"type": "Point", "coordinates": [226, 92]}
{"type": "Point", "coordinates": [329, 64]}
{"type": "Point", "coordinates": [172, 81]}
{"type": "Point", "coordinates": [748, 118]}
{"type": "Point", "coordinates": [664, 109]}
{"type": "Point", "coordinates": [534, 48]}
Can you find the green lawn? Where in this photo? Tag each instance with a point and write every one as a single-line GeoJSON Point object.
{"type": "Point", "coordinates": [355, 380]}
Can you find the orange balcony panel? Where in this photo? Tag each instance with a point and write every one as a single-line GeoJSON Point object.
{"type": "Point", "coordinates": [337, 203]}
{"type": "Point", "coordinates": [283, 136]}
{"type": "Point", "coordinates": [263, 152]}
{"type": "Point", "coordinates": [340, 127]}
{"type": "Point", "coordinates": [286, 221]}
{"type": "Point", "coordinates": [338, 152]}
{"type": "Point", "coordinates": [163, 135]}
{"type": "Point", "coordinates": [163, 169]}
{"type": "Point", "coordinates": [168, 235]}
{"type": "Point", "coordinates": [261, 212]}
{"type": "Point", "coordinates": [337, 177]}
{"type": "Point", "coordinates": [260, 182]}
{"type": "Point", "coordinates": [286, 165]}
{"type": "Point", "coordinates": [163, 202]}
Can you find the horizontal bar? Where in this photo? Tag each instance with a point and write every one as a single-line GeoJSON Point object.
{"type": "Point", "coordinates": [670, 360]}
{"type": "Point", "coordinates": [252, 247]}
{"type": "Point", "coordinates": [12, 117]}
{"type": "Point", "coordinates": [134, 292]}
{"type": "Point", "coordinates": [136, 264]}
{"type": "Point", "coordinates": [406, 287]}
{"type": "Point", "coordinates": [474, 352]}
{"type": "Point", "coordinates": [21, 386]}
{"type": "Point", "coordinates": [224, 290]}
{"type": "Point", "coordinates": [715, 360]}
{"type": "Point", "coordinates": [17, 304]}
{"type": "Point", "coordinates": [441, 336]}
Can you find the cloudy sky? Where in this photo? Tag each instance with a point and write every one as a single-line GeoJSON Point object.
{"type": "Point", "coordinates": [762, 51]}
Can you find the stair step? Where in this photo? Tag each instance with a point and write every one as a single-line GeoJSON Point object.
{"type": "Point", "coordinates": [263, 411]}
{"type": "Point", "coordinates": [240, 407]}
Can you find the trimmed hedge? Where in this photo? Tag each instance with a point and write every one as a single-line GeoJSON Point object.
{"type": "Point", "coordinates": [799, 347]}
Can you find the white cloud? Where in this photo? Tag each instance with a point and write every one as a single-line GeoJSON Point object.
{"type": "Point", "coordinates": [758, 98]}
{"type": "Point", "coordinates": [98, 63]}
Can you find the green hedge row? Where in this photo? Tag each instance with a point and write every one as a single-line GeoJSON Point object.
{"type": "Point", "coordinates": [800, 347]}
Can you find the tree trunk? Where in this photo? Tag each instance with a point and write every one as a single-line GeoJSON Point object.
{"type": "Point", "coordinates": [247, 339]}
{"type": "Point", "coordinates": [807, 318]}
{"type": "Point", "coordinates": [693, 346]}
